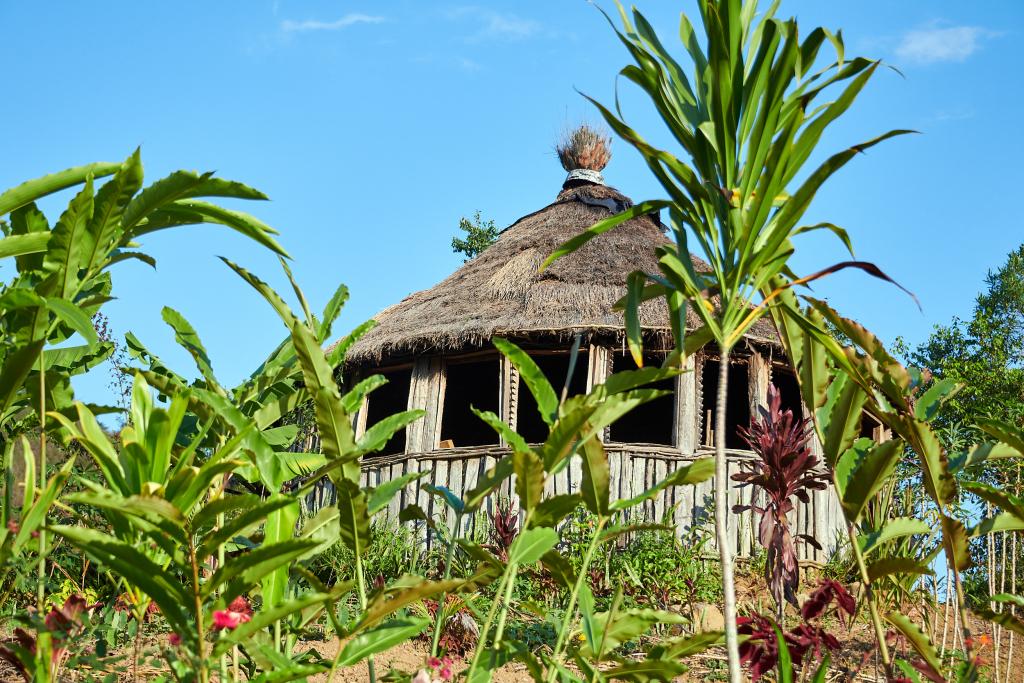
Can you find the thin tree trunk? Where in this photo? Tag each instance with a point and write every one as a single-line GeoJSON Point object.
{"type": "Point", "coordinates": [991, 567]}
{"type": "Point", "coordinates": [722, 514]}
{"type": "Point", "coordinates": [957, 633]}
{"type": "Point", "coordinates": [1002, 589]}
{"type": "Point", "coordinates": [1013, 608]}
{"type": "Point", "coordinates": [945, 615]}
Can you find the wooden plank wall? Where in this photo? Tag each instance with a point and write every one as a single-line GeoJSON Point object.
{"type": "Point", "coordinates": [634, 468]}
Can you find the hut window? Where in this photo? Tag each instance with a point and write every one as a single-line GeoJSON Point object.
{"type": "Point", "coordinates": [785, 381]}
{"type": "Point", "coordinates": [651, 422]}
{"type": "Point", "coordinates": [387, 400]}
{"type": "Point", "coordinates": [468, 384]}
{"type": "Point", "coordinates": [555, 367]}
{"type": "Point", "coordinates": [737, 410]}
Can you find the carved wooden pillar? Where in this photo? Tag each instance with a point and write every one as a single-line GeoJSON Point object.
{"type": "Point", "coordinates": [685, 420]}
{"type": "Point", "coordinates": [508, 396]}
{"type": "Point", "coordinates": [426, 392]}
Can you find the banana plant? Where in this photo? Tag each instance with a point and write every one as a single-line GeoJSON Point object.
{"type": "Point", "coordinates": [746, 121]}
{"type": "Point", "coordinates": [574, 428]}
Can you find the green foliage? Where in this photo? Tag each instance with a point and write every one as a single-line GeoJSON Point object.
{"type": "Point", "coordinates": [392, 552]}
{"type": "Point", "coordinates": [984, 354]}
{"type": "Point", "coordinates": [666, 570]}
{"type": "Point", "coordinates": [480, 234]}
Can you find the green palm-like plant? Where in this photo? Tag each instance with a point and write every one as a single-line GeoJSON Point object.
{"type": "Point", "coordinates": [746, 120]}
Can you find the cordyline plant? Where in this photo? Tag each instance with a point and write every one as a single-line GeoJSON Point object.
{"type": "Point", "coordinates": [42, 657]}
{"type": "Point", "coordinates": [768, 647]}
{"type": "Point", "coordinates": [746, 120]}
{"type": "Point", "coordinates": [786, 469]}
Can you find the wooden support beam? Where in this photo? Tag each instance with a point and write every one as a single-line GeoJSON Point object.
{"type": "Point", "coordinates": [599, 367]}
{"type": "Point", "coordinates": [426, 393]}
{"type": "Point", "coordinates": [685, 419]}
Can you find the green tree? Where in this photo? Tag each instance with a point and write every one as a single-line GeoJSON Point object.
{"type": "Point", "coordinates": [984, 353]}
{"type": "Point", "coordinates": [480, 234]}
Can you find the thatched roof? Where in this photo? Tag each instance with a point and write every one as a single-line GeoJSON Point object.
{"type": "Point", "coordinates": [502, 293]}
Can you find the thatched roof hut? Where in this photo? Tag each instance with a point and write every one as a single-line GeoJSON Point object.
{"type": "Point", "coordinates": [434, 347]}
{"type": "Point", "coordinates": [503, 293]}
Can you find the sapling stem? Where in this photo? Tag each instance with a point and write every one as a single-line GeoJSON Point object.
{"type": "Point", "coordinates": [570, 610]}
{"type": "Point", "coordinates": [722, 521]}
{"type": "Point", "coordinates": [443, 598]}
{"type": "Point", "coordinates": [204, 674]}
{"type": "Point", "coordinates": [361, 585]}
{"type": "Point", "coordinates": [41, 574]}
{"type": "Point", "coordinates": [506, 576]}
{"type": "Point", "coordinates": [503, 615]}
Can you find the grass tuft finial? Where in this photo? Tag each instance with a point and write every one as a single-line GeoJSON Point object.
{"type": "Point", "coordinates": [584, 148]}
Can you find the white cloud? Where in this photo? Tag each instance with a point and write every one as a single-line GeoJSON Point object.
{"type": "Point", "coordinates": [934, 43]}
{"type": "Point", "coordinates": [291, 26]}
{"type": "Point", "coordinates": [497, 25]}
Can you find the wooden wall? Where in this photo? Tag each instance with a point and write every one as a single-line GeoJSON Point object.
{"type": "Point", "coordinates": [634, 468]}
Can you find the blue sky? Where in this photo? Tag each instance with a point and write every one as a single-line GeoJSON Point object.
{"type": "Point", "coordinates": [375, 126]}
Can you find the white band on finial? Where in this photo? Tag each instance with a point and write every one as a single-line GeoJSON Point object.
{"type": "Point", "coordinates": [585, 174]}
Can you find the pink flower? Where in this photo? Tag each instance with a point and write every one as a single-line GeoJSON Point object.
{"type": "Point", "coordinates": [441, 668]}
{"type": "Point", "coordinates": [238, 612]}
{"type": "Point", "coordinates": [174, 639]}
{"type": "Point", "coordinates": [421, 677]}
{"type": "Point", "coordinates": [12, 526]}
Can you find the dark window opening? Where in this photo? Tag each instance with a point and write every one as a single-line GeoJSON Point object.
{"type": "Point", "coordinates": [789, 388]}
{"type": "Point", "coordinates": [387, 400]}
{"type": "Point", "coordinates": [870, 428]}
{"type": "Point", "coordinates": [652, 421]}
{"type": "Point", "coordinates": [737, 408]}
{"type": "Point", "coordinates": [470, 384]}
{"type": "Point", "coordinates": [555, 367]}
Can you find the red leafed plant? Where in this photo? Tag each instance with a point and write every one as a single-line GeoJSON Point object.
{"type": "Point", "coordinates": [504, 529]}
{"type": "Point", "coordinates": [784, 470]}
{"type": "Point", "coordinates": [49, 646]}
{"type": "Point", "coordinates": [807, 643]}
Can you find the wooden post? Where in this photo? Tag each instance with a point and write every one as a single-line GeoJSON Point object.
{"type": "Point", "coordinates": [599, 366]}
{"type": "Point", "coordinates": [426, 393]}
{"type": "Point", "coordinates": [359, 421]}
{"type": "Point", "coordinates": [685, 423]}
{"type": "Point", "coordinates": [758, 377]}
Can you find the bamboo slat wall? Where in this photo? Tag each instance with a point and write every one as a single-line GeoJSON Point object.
{"type": "Point", "coordinates": [634, 468]}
